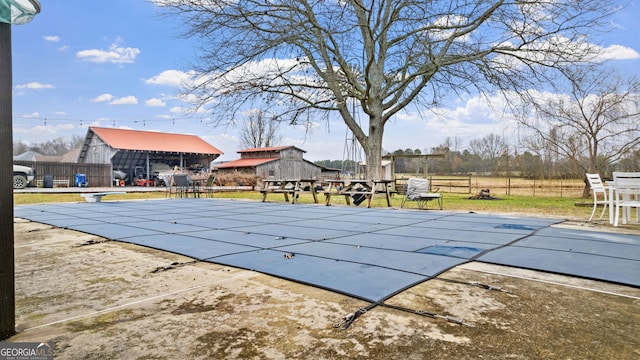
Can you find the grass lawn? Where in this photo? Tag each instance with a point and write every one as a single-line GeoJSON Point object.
{"type": "Point", "coordinates": [556, 207]}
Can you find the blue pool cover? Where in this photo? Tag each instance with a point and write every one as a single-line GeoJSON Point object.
{"type": "Point", "coordinates": [371, 254]}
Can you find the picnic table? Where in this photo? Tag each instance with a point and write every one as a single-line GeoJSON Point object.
{"type": "Point", "coordinates": [306, 186]}
{"type": "Point", "coordinates": [383, 187]}
{"type": "Point", "coordinates": [273, 186]}
{"type": "Point", "coordinates": [293, 187]}
{"type": "Point", "coordinates": [359, 190]}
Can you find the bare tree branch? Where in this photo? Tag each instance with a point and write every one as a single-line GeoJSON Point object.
{"type": "Point", "coordinates": [596, 123]}
{"type": "Point", "coordinates": [260, 131]}
{"type": "Point", "coordinates": [304, 57]}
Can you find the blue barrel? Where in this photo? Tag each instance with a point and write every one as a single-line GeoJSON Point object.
{"type": "Point", "coordinates": [81, 180]}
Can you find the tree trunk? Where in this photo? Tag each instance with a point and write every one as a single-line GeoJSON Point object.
{"type": "Point", "coordinates": [593, 169]}
{"type": "Point", "coordinates": [586, 192]}
{"type": "Point", "coordinates": [373, 149]}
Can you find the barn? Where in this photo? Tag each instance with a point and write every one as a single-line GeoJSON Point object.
{"type": "Point", "coordinates": [281, 162]}
{"type": "Point", "coordinates": [129, 151]}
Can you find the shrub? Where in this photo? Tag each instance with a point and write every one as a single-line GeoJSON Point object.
{"type": "Point", "coordinates": [236, 179]}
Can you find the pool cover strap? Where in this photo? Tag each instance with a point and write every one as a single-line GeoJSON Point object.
{"type": "Point", "coordinates": [450, 319]}
{"type": "Point", "coordinates": [348, 319]}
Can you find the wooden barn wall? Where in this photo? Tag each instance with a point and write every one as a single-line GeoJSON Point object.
{"type": "Point", "coordinates": [259, 155]}
{"type": "Point", "coordinates": [97, 174]}
{"type": "Point", "coordinates": [98, 152]}
{"type": "Point", "coordinates": [290, 153]}
{"type": "Point", "coordinates": [288, 169]}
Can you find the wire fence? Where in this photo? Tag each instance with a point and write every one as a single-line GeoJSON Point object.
{"type": "Point", "coordinates": [572, 188]}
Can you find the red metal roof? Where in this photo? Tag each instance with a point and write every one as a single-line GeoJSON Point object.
{"type": "Point", "coordinates": [249, 162]}
{"type": "Point", "coordinates": [154, 141]}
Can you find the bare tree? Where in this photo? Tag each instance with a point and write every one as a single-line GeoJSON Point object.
{"type": "Point", "coordinates": [451, 150]}
{"type": "Point", "coordinates": [489, 147]}
{"type": "Point", "coordinates": [19, 148]}
{"type": "Point", "coordinates": [304, 56]}
{"type": "Point", "coordinates": [454, 144]}
{"type": "Point", "coordinates": [260, 131]}
{"type": "Point", "coordinates": [57, 146]}
{"type": "Point", "coordinates": [596, 123]}
{"type": "Point", "coordinates": [76, 141]}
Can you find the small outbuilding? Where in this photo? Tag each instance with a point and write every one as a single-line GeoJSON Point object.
{"type": "Point", "coordinates": [281, 162]}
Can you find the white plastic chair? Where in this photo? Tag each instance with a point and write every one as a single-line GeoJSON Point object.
{"type": "Point", "coordinates": [627, 195]}
{"type": "Point", "coordinates": [599, 190]}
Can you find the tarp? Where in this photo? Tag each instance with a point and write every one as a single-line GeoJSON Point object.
{"type": "Point", "coordinates": [370, 254]}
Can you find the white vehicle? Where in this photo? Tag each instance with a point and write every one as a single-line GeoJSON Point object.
{"type": "Point", "coordinates": [22, 175]}
{"type": "Point", "coordinates": [159, 173]}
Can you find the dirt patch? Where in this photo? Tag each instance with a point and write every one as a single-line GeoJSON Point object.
{"type": "Point", "coordinates": [104, 300]}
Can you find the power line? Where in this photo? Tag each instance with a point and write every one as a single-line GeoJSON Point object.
{"type": "Point", "coordinates": [114, 122]}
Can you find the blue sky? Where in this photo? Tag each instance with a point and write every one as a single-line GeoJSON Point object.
{"type": "Point", "coordinates": [116, 63]}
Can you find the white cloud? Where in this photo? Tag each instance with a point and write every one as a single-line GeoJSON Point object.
{"type": "Point", "coordinates": [43, 131]}
{"type": "Point", "coordinates": [102, 98]}
{"type": "Point", "coordinates": [115, 54]}
{"type": "Point", "coordinates": [52, 38]}
{"type": "Point", "coordinates": [188, 98]}
{"type": "Point", "coordinates": [33, 115]}
{"type": "Point", "coordinates": [127, 100]}
{"type": "Point", "coordinates": [474, 118]}
{"type": "Point", "coordinates": [227, 143]}
{"type": "Point", "coordinates": [617, 52]}
{"type": "Point", "coordinates": [35, 86]}
{"type": "Point", "coordinates": [179, 110]}
{"type": "Point", "coordinates": [580, 51]}
{"type": "Point", "coordinates": [171, 77]}
{"type": "Point", "coordinates": [155, 102]}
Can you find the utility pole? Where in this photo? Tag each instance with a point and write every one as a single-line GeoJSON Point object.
{"type": "Point", "coordinates": [11, 12]}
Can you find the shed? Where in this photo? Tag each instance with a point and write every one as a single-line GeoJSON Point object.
{"type": "Point", "coordinates": [127, 149]}
{"type": "Point", "coordinates": [281, 162]}
{"type": "Point", "coordinates": [387, 169]}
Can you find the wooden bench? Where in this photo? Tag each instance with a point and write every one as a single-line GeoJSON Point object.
{"type": "Point", "coordinates": [56, 183]}
{"type": "Point", "coordinates": [97, 197]}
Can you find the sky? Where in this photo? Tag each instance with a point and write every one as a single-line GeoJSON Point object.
{"type": "Point", "coordinates": [117, 63]}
